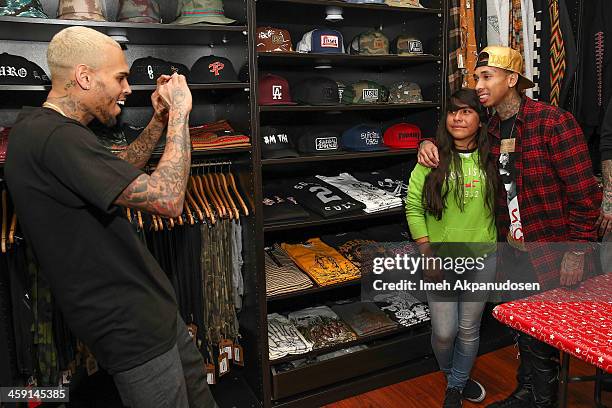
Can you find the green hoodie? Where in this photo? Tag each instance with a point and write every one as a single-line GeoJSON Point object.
{"type": "Point", "coordinates": [474, 224]}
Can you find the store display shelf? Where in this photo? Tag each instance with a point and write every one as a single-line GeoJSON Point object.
{"type": "Point", "coordinates": [315, 220]}
{"type": "Point", "coordinates": [314, 59]}
{"type": "Point", "coordinates": [135, 88]}
{"type": "Point", "coordinates": [38, 29]}
{"type": "Point", "coordinates": [348, 155]}
{"type": "Point", "coordinates": [317, 289]}
{"type": "Point", "coordinates": [370, 6]}
{"type": "Point", "coordinates": [340, 108]}
{"type": "Point", "coordinates": [415, 330]}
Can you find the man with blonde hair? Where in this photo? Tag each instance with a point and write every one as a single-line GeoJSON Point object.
{"type": "Point", "coordinates": [68, 190]}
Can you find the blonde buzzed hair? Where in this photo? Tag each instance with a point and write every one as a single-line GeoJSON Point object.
{"type": "Point", "coordinates": [77, 45]}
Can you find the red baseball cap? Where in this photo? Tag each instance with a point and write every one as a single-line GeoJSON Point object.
{"type": "Point", "coordinates": [274, 90]}
{"type": "Point", "coordinates": [402, 136]}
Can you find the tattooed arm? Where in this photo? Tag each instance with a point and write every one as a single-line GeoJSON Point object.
{"type": "Point", "coordinates": [139, 151]}
{"type": "Point", "coordinates": [163, 192]}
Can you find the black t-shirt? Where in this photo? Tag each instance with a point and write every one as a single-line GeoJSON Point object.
{"type": "Point", "coordinates": [113, 294]}
{"type": "Point", "coordinates": [322, 198]}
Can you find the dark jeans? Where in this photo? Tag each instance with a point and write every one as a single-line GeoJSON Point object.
{"type": "Point", "coordinates": [175, 379]}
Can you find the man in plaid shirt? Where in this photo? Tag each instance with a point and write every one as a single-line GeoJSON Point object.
{"type": "Point", "coordinates": [549, 195]}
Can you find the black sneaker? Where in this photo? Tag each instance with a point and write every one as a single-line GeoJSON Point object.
{"type": "Point", "coordinates": [474, 391]}
{"type": "Point", "coordinates": [452, 399]}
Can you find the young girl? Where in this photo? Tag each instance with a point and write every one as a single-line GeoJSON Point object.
{"type": "Point", "coordinates": [455, 203]}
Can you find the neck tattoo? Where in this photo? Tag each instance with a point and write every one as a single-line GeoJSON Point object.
{"type": "Point", "coordinates": [54, 107]}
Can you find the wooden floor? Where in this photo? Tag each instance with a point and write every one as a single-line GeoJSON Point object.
{"type": "Point", "coordinates": [496, 371]}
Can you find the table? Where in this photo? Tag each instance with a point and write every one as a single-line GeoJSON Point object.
{"type": "Point", "coordinates": [578, 322]}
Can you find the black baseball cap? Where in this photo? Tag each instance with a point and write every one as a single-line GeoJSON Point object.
{"type": "Point", "coordinates": [145, 71]}
{"type": "Point", "coordinates": [275, 143]}
{"type": "Point", "coordinates": [17, 70]}
{"type": "Point", "coordinates": [316, 91]}
{"type": "Point", "coordinates": [319, 141]}
{"type": "Point", "coordinates": [211, 69]}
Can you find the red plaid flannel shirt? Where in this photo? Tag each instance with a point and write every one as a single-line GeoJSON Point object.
{"type": "Point", "coordinates": [559, 198]}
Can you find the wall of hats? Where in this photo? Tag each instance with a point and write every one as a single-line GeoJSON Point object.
{"type": "Point", "coordinates": [345, 92]}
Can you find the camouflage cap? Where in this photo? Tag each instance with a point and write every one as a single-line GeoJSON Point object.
{"type": "Point", "coordinates": [407, 45]}
{"type": "Point", "coordinates": [22, 8]}
{"type": "Point", "coordinates": [139, 11]}
{"type": "Point", "coordinates": [404, 3]}
{"type": "Point", "coordinates": [405, 92]}
{"type": "Point", "coordinates": [364, 92]}
{"type": "Point", "coordinates": [201, 11]}
{"type": "Point", "coordinates": [80, 10]}
{"type": "Point", "coordinates": [370, 43]}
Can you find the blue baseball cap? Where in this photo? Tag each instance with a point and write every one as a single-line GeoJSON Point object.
{"type": "Point", "coordinates": [322, 40]}
{"type": "Point", "coordinates": [363, 138]}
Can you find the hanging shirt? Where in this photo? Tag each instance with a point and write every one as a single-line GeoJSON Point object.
{"type": "Point", "coordinates": [113, 294]}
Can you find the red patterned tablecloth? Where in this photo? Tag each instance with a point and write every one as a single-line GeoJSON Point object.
{"type": "Point", "coordinates": [578, 322]}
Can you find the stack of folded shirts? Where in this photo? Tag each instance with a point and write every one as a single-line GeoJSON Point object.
{"type": "Point", "coordinates": [374, 198]}
{"type": "Point", "coordinates": [284, 338]}
{"type": "Point", "coordinates": [280, 206]}
{"type": "Point", "coordinates": [365, 318]}
{"type": "Point", "coordinates": [216, 135]}
{"type": "Point", "coordinates": [321, 262]}
{"type": "Point", "coordinates": [393, 180]}
{"type": "Point", "coordinates": [4, 132]}
{"type": "Point", "coordinates": [349, 244]}
{"type": "Point", "coordinates": [321, 326]}
{"type": "Point", "coordinates": [282, 275]}
{"type": "Point", "coordinates": [404, 308]}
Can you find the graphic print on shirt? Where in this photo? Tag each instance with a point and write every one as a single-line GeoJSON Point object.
{"type": "Point", "coordinates": [507, 173]}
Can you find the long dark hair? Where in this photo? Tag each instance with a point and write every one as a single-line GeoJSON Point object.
{"type": "Point", "coordinates": [437, 184]}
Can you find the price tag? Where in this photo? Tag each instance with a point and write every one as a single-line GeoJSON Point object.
{"type": "Point", "coordinates": [226, 346]}
{"type": "Point", "coordinates": [211, 378]}
{"type": "Point", "coordinates": [223, 364]}
{"type": "Point", "coordinates": [238, 355]}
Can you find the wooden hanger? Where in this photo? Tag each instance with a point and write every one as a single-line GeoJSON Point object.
{"type": "Point", "coordinates": [12, 229]}
{"type": "Point", "coordinates": [234, 189]}
{"type": "Point", "coordinates": [153, 223]}
{"type": "Point", "coordinates": [128, 214]}
{"type": "Point", "coordinates": [219, 189]}
{"type": "Point", "coordinates": [4, 221]}
{"type": "Point", "coordinates": [194, 205]}
{"type": "Point", "coordinates": [139, 217]}
{"type": "Point", "coordinates": [208, 188]}
{"type": "Point", "coordinates": [234, 214]}
{"type": "Point", "coordinates": [196, 194]}
{"type": "Point", "coordinates": [224, 178]}
{"type": "Point", "coordinates": [200, 187]}
{"type": "Point", "coordinates": [215, 190]}
{"type": "Point", "coordinates": [188, 212]}
{"type": "Point", "coordinates": [171, 222]}
{"type": "Point", "coordinates": [179, 219]}
{"type": "Point", "coordinates": [160, 222]}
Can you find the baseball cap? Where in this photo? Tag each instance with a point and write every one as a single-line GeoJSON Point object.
{"type": "Point", "coordinates": [145, 71]}
{"type": "Point", "coordinates": [402, 136]}
{"type": "Point", "coordinates": [364, 92]}
{"type": "Point", "coordinates": [316, 91]}
{"type": "Point", "coordinates": [80, 10]}
{"type": "Point", "coordinates": [407, 45]}
{"type": "Point", "coordinates": [319, 141]}
{"type": "Point", "coordinates": [139, 11]}
{"type": "Point", "coordinates": [370, 43]}
{"type": "Point", "coordinates": [275, 143]}
{"type": "Point", "coordinates": [404, 3]}
{"type": "Point", "coordinates": [16, 70]}
{"type": "Point", "coordinates": [363, 138]}
{"type": "Point", "coordinates": [211, 69]}
{"type": "Point", "coordinates": [274, 90]}
{"type": "Point", "coordinates": [504, 58]}
{"type": "Point", "coordinates": [322, 40]}
{"type": "Point", "coordinates": [201, 11]}
{"type": "Point", "coordinates": [22, 8]}
{"type": "Point", "coordinates": [405, 92]}
{"type": "Point", "coordinates": [270, 39]}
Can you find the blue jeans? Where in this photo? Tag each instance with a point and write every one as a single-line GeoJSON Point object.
{"type": "Point", "coordinates": [455, 327]}
{"type": "Point", "coordinates": [174, 379]}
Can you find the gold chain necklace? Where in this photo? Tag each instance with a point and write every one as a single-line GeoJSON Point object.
{"type": "Point", "coordinates": [54, 107]}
